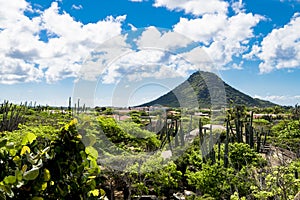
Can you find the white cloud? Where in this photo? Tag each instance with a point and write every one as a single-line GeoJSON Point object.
{"type": "Point", "coordinates": [281, 48]}
{"type": "Point", "coordinates": [238, 6]}
{"type": "Point", "coordinates": [281, 99]}
{"type": "Point", "coordinates": [195, 7]}
{"type": "Point", "coordinates": [136, 0]}
{"type": "Point", "coordinates": [238, 66]}
{"type": "Point", "coordinates": [224, 37]}
{"type": "Point", "coordinates": [146, 63]}
{"type": "Point", "coordinates": [134, 65]}
{"type": "Point", "coordinates": [76, 7]}
{"type": "Point", "coordinates": [253, 53]}
{"type": "Point", "coordinates": [25, 57]}
{"type": "Point", "coordinates": [201, 29]}
{"type": "Point", "coordinates": [133, 28]}
{"type": "Point", "coordinates": [198, 59]}
{"type": "Point", "coordinates": [18, 71]}
{"type": "Point", "coordinates": [166, 40]}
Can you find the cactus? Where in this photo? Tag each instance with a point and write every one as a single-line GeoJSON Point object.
{"type": "Point", "coordinates": [219, 150]}
{"type": "Point", "coordinates": [78, 107]}
{"type": "Point", "coordinates": [70, 105]}
{"type": "Point", "coordinates": [226, 144]}
{"type": "Point", "coordinates": [83, 108]}
{"type": "Point", "coordinates": [201, 141]}
{"type": "Point", "coordinates": [181, 134]}
{"type": "Point", "coordinates": [258, 139]}
{"type": "Point", "coordinates": [200, 132]}
{"type": "Point", "coordinates": [176, 133]}
{"type": "Point", "coordinates": [212, 153]}
{"type": "Point", "coordinates": [11, 116]}
{"type": "Point", "coordinates": [251, 139]}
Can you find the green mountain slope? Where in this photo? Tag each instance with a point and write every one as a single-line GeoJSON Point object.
{"type": "Point", "coordinates": [205, 89]}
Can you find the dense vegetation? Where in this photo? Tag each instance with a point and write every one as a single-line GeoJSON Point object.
{"type": "Point", "coordinates": [53, 154]}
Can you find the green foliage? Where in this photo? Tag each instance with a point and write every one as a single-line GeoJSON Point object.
{"type": "Point", "coordinates": [163, 175]}
{"type": "Point", "coordinates": [112, 130]}
{"type": "Point", "coordinates": [128, 134]}
{"type": "Point", "coordinates": [280, 183]}
{"type": "Point", "coordinates": [287, 129]}
{"type": "Point", "coordinates": [212, 179]}
{"type": "Point", "coordinates": [261, 122]}
{"type": "Point", "coordinates": [42, 169]}
{"type": "Point", "coordinates": [41, 160]}
{"type": "Point", "coordinates": [286, 134]}
{"type": "Point", "coordinates": [145, 139]}
{"type": "Point", "coordinates": [241, 155]}
{"type": "Point", "coordinates": [108, 111]}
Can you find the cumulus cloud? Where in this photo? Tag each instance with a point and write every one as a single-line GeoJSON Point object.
{"type": "Point", "coordinates": [223, 37]}
{"type": "Point", "coordinates": [220, 38]}
{"type": "Point", "coordinates": [51, 45]}
{"type": "Point", "coordinates": [132, 27]}
{"type": "Point", "coordinates": [146, 63]}
{"type": "Point", "coordinates": [238, 6]}
{"type": "Point", "coordinates": [281, 99]}
{"type": "Point", "coordinates": [198, 59]}
{"type": "Point", "coordinates": [195, 7]}
{"type": "Point", "coordinates": [166, 40]}
{"type": "Point", "coordinates": [201, 29]}
{"type": "Point", "coordinates": [279, 49]}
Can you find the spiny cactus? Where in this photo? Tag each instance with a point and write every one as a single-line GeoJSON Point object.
{"type": "Point", "coordinates": [226, 144]}
{"type": "Point", "coordinates": [11, 116]}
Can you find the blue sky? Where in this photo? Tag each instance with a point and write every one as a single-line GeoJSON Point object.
{"type": "Point", "coordinates": [122, 52]}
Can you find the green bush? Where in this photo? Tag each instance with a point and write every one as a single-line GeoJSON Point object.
{"type": "Point", "coordinates": [287, 129]}
{"type": "Point", "coordinates": [39, 168]}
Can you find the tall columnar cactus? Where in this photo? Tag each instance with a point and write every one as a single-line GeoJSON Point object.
{"type": "Point", "coordinates": [226, 144]}
{"type": "Point", "coordinates": [200, 132]}
{"type": "Point", "coordinates": [258, 139]}
{"type": "Point", "coordinates": [78, 107]}
{"type": "Point", "coordinates": [181, 133]}
{"type": "Point", "coordinates": [83, 109]}
{"type": "Point", "coordinates": [247, 133]}
{"type": "Point", "coordinates": [11, 116]}
{"type": "Point", "coordinates": [201, 141]}
{"type": "Point", "coordinates": [251, 137]}
{"type": "Point", "coordinates": [176, 133]}
{"type": "Point", "coordinates": [219, 150]}
{"type": "Point", "coordinates": [212, 153]}
{"type": "Point", "coordinates": [70, 105]}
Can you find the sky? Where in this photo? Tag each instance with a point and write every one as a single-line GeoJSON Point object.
{"type": "Point", "coordinates": [127, 52]}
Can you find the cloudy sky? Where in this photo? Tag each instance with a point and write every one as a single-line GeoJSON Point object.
{"type": "Point", "coordinates": [48, 48]}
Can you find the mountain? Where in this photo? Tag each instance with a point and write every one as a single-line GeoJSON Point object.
{"type": "Point", "coordinates": [205, 89]}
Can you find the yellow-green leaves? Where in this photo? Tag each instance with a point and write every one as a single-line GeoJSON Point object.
{"type": "Point", "coordinates": [47, 175]}
{"type": "Point", "coordinates": [24, 150]}
{"type": "Point", "coordinates": [72, 123]}
{"type": "Point", "coordinates": [37, 198]}
{"type": "Point", "coordinates": [31, 174]}
{"type": "Point", "coordinates": [10, 179]}
{"type": "Point", "coordinates": [94, 193]}
{"type": "Point", "coordinates": [29, 138]}
{"type": "Point", "coordinates": [91, 151]}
